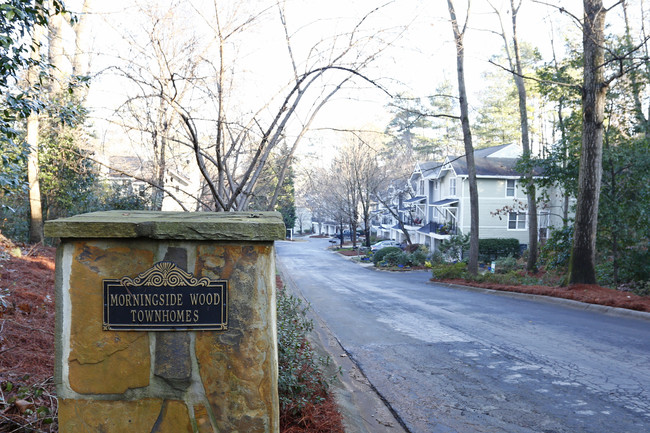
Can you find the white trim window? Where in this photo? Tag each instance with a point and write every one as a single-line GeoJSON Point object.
{"type": "Point", "coordinates": [452, 187]}
{"type": "Point", "coordinates": [516, 221]}
{"type": "Point", "coordinates": [511, 187]}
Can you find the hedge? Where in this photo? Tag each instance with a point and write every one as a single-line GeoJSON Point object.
{"type": "Point", "coordinates": [492, 248]}
{"type": "Point", "coordinates": [449, 270]}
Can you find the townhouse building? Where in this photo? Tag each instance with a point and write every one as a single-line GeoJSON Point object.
{"type": "Point", "coordinates": [438, 203]}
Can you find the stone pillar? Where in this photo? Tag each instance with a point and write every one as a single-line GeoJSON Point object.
{"type": "Point", "coordinates": [165, 364]}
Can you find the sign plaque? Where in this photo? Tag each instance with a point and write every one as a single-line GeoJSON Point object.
{"type": "Point", "coordinates": [165, 298]}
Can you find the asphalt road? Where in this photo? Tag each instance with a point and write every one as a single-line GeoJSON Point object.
{"type": "Point", "coordinates": [452, 360]}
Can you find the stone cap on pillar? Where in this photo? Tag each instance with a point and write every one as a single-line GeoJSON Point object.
{"type": "Point", "coordinates": [214, 226]}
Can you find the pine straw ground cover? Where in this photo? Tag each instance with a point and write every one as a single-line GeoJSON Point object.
{"type": "Point", "coordinates": [27, 392]}
{"type": "Point", "coordinates": [588, 293]}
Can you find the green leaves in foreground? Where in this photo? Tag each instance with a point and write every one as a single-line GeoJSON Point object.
{"type": "Point", "coordinates": [301, 381]}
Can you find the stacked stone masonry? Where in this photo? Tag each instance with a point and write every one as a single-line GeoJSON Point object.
{"type": "Point", "coordinates": [167, 381]}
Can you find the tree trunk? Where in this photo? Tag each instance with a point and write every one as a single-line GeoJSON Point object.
{"type": "Point", "coordinates": [81, 58]}
{"type": "Point", "coordinates": [35, 208]}
{"type": "Point", "coordinates": [582, 266]}
{"type": "Point", "coordinates": [525, 144]}
{"type": "Point", "coordinates": [472, 266]}
{"type": "Point", "coordinates": [565, 192]}
{"type": "Point", "coordinates": [36, 212]}
{"type": "Point", "coordinates": [56, 54]}
{"type": "Point", "coordinates": [614, 227]}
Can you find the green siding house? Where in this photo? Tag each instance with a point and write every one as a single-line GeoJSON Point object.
{"type": "Point", "coordinates": [439, 206]}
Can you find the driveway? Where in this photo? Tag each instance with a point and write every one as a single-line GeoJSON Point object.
{"type": "Point", "coordinates": [450, 360]}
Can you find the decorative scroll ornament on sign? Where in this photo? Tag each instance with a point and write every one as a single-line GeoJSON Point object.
{"type": "Point", "coordinates": [165, 274]}
{"type": "Point", "coordinates": [165, 298]}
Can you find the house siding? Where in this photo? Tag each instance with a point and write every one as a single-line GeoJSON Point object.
{"type": "Point", "coordinates": [492, 198]}
{"type": "Point", "coordinates": [496, 170]}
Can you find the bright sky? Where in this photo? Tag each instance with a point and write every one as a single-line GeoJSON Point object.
{"type": "Point", "coordinates": [415, 63]}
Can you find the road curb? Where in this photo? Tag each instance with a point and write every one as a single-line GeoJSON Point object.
{"type": "Point", "coordinates": [364, 410]}
{"type": "Point", "coordinates": [603, 309]}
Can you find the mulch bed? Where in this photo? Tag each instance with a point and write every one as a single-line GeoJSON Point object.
{"type": "Point", "coordinates": [350, 253]}
{"type": "Point", "coordinates": [321, 418]}
{"type": "Point", "coordinates": [27, 340]}
{"type": "Point", "coordinates": [27, 319]}
{"type": "Point", "coordinates": [588, 293]}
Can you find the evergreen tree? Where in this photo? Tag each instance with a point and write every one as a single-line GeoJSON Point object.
{"type": "Point", "coordinates": [406, 130]}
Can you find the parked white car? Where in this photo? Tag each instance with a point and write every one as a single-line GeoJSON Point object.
{"type": "Point", "coordinates": [383, 244]}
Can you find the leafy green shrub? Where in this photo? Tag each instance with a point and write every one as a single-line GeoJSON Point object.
{"type": "Point", "coordinates": [300, 380]}
{"type": "Point", "coordinates": [518, 277]}
{"type": "Point", "coordinates": [419, 256]}
{"type": "Point", "coordinates": [14, 219]}
{"type": "Point", "coordinates": [633, 267]}
{"type": "Point", "coordinates": [489, 277]}
{"type": "Point", "coordinates": [492, 248]}
{"type": "Point", "coordinates": [436, 258]}
{"type": "Point", "coordinates": [449, 270]}
{"type": "Point", "coordinates": [642, 288]}
{"type": "Point", "coordinates": [378, 256]}
{"type": "Point", "coordinates": [455, 248]}
{"type": "Point", "coordinates": [75, 199]}
{"type": "Point", "coordinates": [635, 264]}
{"type": "Point", "coordinates": [605, 273]}
{"type": "Point", "coordinates": [557, 250]}
{"type": "Point", "coordinates": [504, 265]}
{"type": "Point", "coordinates": [395, 258]}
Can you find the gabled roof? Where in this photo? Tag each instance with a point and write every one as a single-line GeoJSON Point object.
{"type": "Point", "coordinates": [129, 164]}
{"type": "Point", "coordinates": [501, 151]}
{"type": "Point", "coordinates": [487, 166]}
{"type": "Point", "coordinates": [430, 168]}
{"type": "Point", "coordinates": [490, 162]}
{"type": "Point", "coordinates": [426, 169]}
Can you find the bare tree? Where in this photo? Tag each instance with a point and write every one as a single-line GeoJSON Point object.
{"type": "Point", "coordinates": [467, 135]}
{"type": "Point", "coordinates": [345, 170]}
{"type": "Point", "coordinates": [303, 217]}
{"type": "Point", "coordinates": [69, 65]}
{"type": "Point", "coordinates": [391, 199]}
{"type": "Point", "coordinates": [329, 201]}
{"type": "Point", "coordinates": [517, 75]}
{"type": "Point", "coordinates": [359, 173]}
{"type": "Point", "coordinates": [232, 153]}
{"type": "Point", "coordinates": [81, 57]}
{"type": "Point", "coordinates": [160, 71]}
{"type": "Point", "coordinates": [371, 176]}
{"type": "Point", "coordinates": [186, 91]}
{"type": "Point", "coordinates": [56, 53]}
